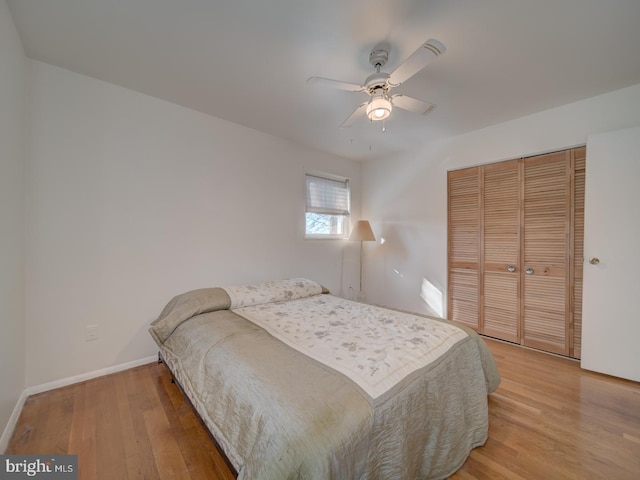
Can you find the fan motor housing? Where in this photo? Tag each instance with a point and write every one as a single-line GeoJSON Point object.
{"type": "Point", "coordinates": [376, 80]}
{"type": "Point", "coordinates": [378, 58]}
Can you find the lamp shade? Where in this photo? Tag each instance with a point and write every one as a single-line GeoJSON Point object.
{"type": "Point", "coordinates": [362, 232]}
{"type": "Point", "coordinates": [379, 108]}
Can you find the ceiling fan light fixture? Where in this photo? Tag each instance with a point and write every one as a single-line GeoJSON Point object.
{"type": "Point", "coordinates": [379, 108]}
{"type": "Point", "coordinates": [378, 84]}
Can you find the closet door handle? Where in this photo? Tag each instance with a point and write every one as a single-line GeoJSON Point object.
{"type": "Point", "coordinates": [529, 271]}
{"type": "Point", "coordinates": [511, 268]}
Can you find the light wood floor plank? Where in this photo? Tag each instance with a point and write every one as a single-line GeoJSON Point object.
{"type": "Point", "coordinates": [138, 403]}
{"type": "Point", "coordinates": [549, 419]}
{"type": "Point", "coordinates": [87, 457]}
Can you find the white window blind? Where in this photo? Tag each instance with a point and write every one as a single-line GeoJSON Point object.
{"type": "Point", "coordinates": [327, 196]}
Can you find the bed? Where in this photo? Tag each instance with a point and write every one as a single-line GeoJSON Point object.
{"type": "Point", "coordinates": [296, 383]}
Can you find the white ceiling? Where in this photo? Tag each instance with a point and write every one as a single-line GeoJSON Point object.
{"type": "Point", "coordinates": [247, 61]}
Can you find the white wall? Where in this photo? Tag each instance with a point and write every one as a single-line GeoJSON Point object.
{"type": "Point", "coordinates": [132, 200]}
{"type": "Point", "coordinates": [12, 116]}
{"type": "Point", "coordinates": [406, 197]}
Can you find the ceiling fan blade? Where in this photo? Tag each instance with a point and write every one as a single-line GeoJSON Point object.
{"type": "Point", "coordinates": [357, 113]}
{"type": "Point", "coordinates": [327, 82]}
{"type": "Point", "coordinates": [419, 59]}
{"type": "Point", "coordinates": [412, 104]}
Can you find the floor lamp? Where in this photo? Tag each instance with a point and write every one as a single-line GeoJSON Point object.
{"type": "Point", "coordinates": [362, 232]}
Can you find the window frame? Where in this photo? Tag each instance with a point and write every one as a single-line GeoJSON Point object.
{"type": "Point", "coordinates": [345, 217]}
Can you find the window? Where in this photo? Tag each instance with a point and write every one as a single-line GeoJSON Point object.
{"type": "Point", "coordinates": [327, 210]}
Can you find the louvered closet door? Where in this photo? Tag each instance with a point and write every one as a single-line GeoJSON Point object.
{"type": "Point", "coordinates": [500, 248]}
{"type": "Point", "coordinates": [464, 246]}
{"type": "Point", "coordinates": [547, 213]}
{"type": "Point", "coordinates": [579, 159]}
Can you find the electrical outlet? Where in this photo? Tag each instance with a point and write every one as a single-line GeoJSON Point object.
{"type": "Point", "coordinates": [91, 333]}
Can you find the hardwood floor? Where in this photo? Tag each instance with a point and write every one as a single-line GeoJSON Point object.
{"type": "Point", "coordinates": [548, 420]}
{"type": "Point", "coordinates": [129, 425]}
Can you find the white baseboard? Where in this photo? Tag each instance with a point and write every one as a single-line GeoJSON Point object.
{"type": "Point", "coordinates": [13, 419]}
{"type": "Point", "coordinates": [88, 376]}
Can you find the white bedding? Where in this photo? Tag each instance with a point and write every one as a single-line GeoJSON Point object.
{"type": "Point", "coordinates": [374, 347]}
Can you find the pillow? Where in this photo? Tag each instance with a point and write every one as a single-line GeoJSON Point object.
{"type": "Point", "coordinates": [273, 291]}
{"type": "Point", "coordinates": [185, 306]}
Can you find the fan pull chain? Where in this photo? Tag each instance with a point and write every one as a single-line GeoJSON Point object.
{"type": "Point", "coordinates": [384, 128]}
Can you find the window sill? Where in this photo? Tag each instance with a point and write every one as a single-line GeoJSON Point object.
{"type": "Point", "coordinates": [325, 237]}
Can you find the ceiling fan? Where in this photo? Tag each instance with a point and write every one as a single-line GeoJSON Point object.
{"type": "Point", "coordinates": [378, 84]}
